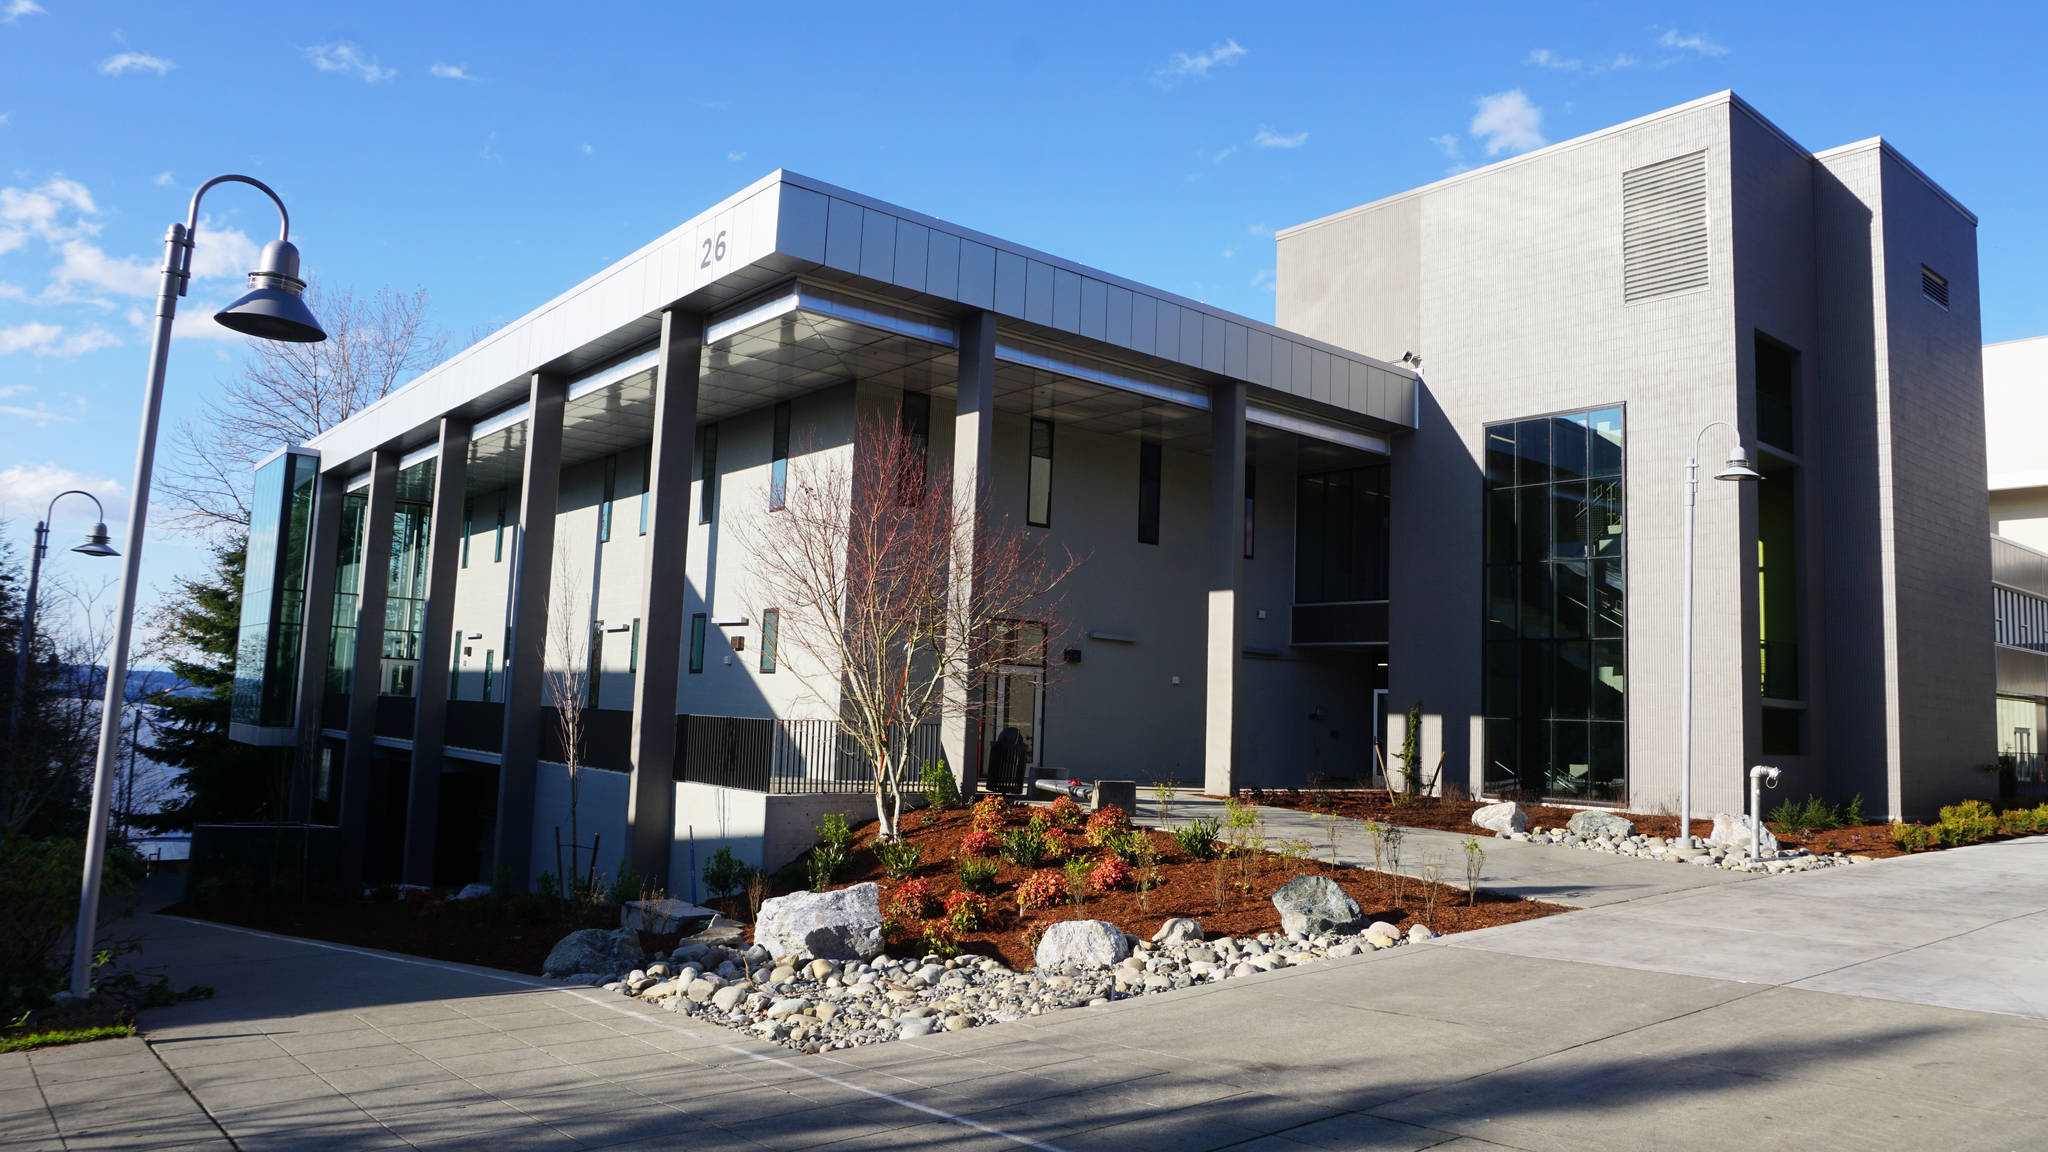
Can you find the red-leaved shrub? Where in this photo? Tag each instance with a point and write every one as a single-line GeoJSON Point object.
{"type": "Point", "coordinates": [913, 900]}
{"type": "Point", "coordinates": [1109, 874]}
{"type": "Point", "coordinates": [1041, 889]}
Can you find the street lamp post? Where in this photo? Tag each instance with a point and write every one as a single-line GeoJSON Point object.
{"type": "Point", "coordinates": [272, 309]}
{"type": "Point", "coordinates": [95, 545]}
{"type": "Point", "coordinates": [1738, 468]}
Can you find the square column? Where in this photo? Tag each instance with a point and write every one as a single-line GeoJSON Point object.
{"type": "Point", "coordinates": [316, 636]}
{"type": "Point", "coordinates": [973, 473]}
{"type": "Point", "coordinates": [526, 645]}
{"type": "Point", "coordinates": [1226, 581]}
{"type": "Point", "coordinates": [430, 715]}
{"type": "Point", "coordinates": [374, 583]}
{"type": "Point", "coordinates": [650, 794]}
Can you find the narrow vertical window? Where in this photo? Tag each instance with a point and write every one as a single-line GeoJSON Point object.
{"type": "Point", "coordinates": [633, 652]}
{"type": "Point", "coordinates": [1148, 492]}
{"type": "Point", "coordinates": [455, 670]}
{"type": "Point", "coordinates": [771, 624]}
{"type": "Point", "coordinates": [498, 542]}
{"type": "Point", "coordinates": [593, 672]}
{"type": "Point", "coordinates": [646, 487]}
{"type": "Point", "coordinates": [914, 421]}
{"type": "Point", "coordinates": [1251, 503]}
{"type": "Point", "coordinates": [604, 507]}
{"type": "Point", "coordinates": [1038, 512]}
{"type": "Point", "coordinates": [707, 473]}
{"type": "Point", "coordinates": [468, 519]}
{"type": "Point", "coordinates": [490, 672]}
{"type": "Point", "coordinates": [697, 623]}
{"type": "Point", "coordinates": [778, 472]}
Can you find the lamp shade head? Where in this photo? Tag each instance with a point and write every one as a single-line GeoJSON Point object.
{"type": "Point", "coordinates": [274, 308]}
{"type": "Point", "coordinates": [96, 544]}
{"type": "Point", "coordinates": [1738, 467]}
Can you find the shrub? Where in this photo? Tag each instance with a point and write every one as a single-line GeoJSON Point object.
{"type": "Point", "coordinates": [1064, 813]}
{"type": "Point", "coordinates": [1911, 837]}
{"type": "Point", "coordinates": [1968, 823]}
{"type": "Point", "coordinates": [1852, 812]}
{"type": "Point", "coordinates": [940, 789]}
{"type": "Point", "coordinates": [1055, 845]}
{"type": "Point", "coordinates": [724, 873]}
{"type": "Point", "coordinates": [1039, 890]}
{"type": "Point", "coordinates": [1024, 847]}
{"type": "Point", "coordinates": [1109, 874]}
{"type": "Point", "coordinates": [38, 908]}
{"type": "Point", "coordinates": [1197, 838]}
{"type": "Point", "coordinates": [1122, 843]}
{"type": "Point", "coordinates": [977, 874]}
{"type": "Point", "coordinates": [981, 842]}
{"type": "Point", "coordinates": [1107, 821]}
{"type": "Point", "coordinates": [969, 911]}
{"type": "Point", "coordinates": [913, 900]}
{"type": "Point", "coordinates": [898, 857]}
{"type": "Point", "coordinates": [991, 813]}
{"type": "Point", "coordinates": [834, 832]}
{"type": "Point", "coordinates": [823, 864]}
{"type": "Point", "coordinates": [939, 940]}
{"type": "Point", "coordinates": [1076, 872]}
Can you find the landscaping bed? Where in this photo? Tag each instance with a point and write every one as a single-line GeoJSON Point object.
{"type": "Point", "coordinates": [1230, 894]}
{"type": "Point", "coordinates": [510, 932]}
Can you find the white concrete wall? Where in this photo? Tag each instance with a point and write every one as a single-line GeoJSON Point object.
{"type": "Point", "coordinates": [764, 831]}
{"type": "Point", "coordinates": [2016, 438]}
{"type": "Point", "coordinates": [600, 813]}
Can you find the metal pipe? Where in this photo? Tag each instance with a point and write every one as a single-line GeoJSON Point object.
{"type": "Point", "coordinates": [1757, 776]}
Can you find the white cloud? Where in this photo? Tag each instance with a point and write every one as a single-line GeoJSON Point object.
{"type": "Point", "coordinates": [1259, 229]}
{"type": "Point", "coordinates": [218, 254]}
{"type": "Point", "coordinates": [52, 340]}
{"type": "Point", "coordinates": [442, 71]}
{"type": "Point", "coordinates": [1508, 122]}
{"type": "Point", "coordinates": [38, 213]}
{"type": "Point", "coordinates": [165, 179]}
{"type": "Point", "coordinates": [1698, 42]}
{"type": "Point", "coordinates": [28, 489]}
{"type": "Point", "coordinates": [127, 62]}
{"type": "Point", "coordinates": [12, 291]}
{"type": "Point", "coordinates": [16, 9]}
{"type": "Point", "coordinates": [1263, 280]}
{"type": "Point", "coordinates": [1225, 154]}
{"type": "Point", "coordinates": [1182, 65]}
{"type": "Point", "coordinates": [1448, 143]}
{"type": "Point", "coordinates": [1267, 138]}
{"type": "Point", "coordinates": [735, 157]}
{"type": "Point", "coordinates": [1545, 58]}
{"type": "Point", "coordinates": [344, 56]}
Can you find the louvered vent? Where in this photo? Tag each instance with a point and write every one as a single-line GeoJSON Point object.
{"type": "Point", "coordinates": [1664, 228]}
{"type": "Point", "coordinates": [1934, 285]}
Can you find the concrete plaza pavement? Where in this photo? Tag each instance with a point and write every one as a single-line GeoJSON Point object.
{"type": "Point", "coordinates": [1633, 1026]}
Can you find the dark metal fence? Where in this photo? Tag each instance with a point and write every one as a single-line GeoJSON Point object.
{"type": "Point", "coordinates": [762, 754]}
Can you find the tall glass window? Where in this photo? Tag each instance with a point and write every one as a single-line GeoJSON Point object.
{"type": "Point", "coordinates": [1555, 690]}
{"type": "Point", "coordinates": [707, 475]}
{"type": "Point", "coordinates": [1148, 492]}
{"type": "Point", "coordinates": [274, 590]}
{"type": "Point", "coordinates": [697, 627]}
{"type": "Point", "coordinates": [1038, 508]}
{"type": "Point", "coordinates": [604, 507]}
{"type": "Point", "coordinates": [778, 469]}
{"type": "Point", "coordinates": [771, 632]}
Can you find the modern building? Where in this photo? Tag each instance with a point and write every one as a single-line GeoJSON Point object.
{"type": "Point", "coordinates": [1289, 533]}
{"type": "Point", "coordinates": [2016, 449]}
{"type": "Point", "coordinates": [1585, 312]}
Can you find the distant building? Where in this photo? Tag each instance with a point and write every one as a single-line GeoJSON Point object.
{"type": "Point", "coordinates": [2016, 432]}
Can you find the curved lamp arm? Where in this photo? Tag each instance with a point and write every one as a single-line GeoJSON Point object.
{"type": "Point", "coordinates": [1702, 437]}
{"type": "Point", "coordinates": [51, 510]}
{"type": "Point", "coordinates": [284, 218]}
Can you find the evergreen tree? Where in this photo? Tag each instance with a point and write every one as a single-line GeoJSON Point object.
{"type": "Point", "coordinates": [223, 781]}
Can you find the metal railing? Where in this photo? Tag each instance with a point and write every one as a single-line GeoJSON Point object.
{"type": "Point", "coordinates": [763, 754]}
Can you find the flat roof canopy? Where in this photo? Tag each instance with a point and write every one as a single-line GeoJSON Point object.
{"type": "Point", "coordinates": [806, 286]}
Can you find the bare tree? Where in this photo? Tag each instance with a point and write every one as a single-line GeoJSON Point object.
{"type": "Point", "coordinates": [568, 679]}
{"type": "Point", "coordinates": [289, 393]}
{"type": "Point", "coordinates": [860, 564]}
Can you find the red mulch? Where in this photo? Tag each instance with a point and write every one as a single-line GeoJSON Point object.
{"type": "Point", "coordinates": [1187, 887]}
{"type": "Point", "coordinates": [1450, 814]}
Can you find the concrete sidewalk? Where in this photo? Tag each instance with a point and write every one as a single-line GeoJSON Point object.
{"type": "Point", "coordinates": [1550, 872]}
{"type": "Point", "coordinates": [1468, 1044]}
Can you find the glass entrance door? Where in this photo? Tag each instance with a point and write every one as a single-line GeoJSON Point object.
{"type": "Point", "coordinates": [1017, 709]}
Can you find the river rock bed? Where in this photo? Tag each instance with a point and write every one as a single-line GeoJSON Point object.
{"type": "Point", "coordinates": [1712, 855]}
{"type": "Point", "coordinates": [814, 1005]}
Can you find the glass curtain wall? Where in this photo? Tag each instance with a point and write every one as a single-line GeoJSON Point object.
{"type": "Point", "coordinates": [1556, 636]}
{"type": "Point", "coordinates": [274, 591]}
{"type": "Point", "coordinates": [405, 603]}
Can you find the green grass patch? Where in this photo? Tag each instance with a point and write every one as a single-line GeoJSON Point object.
{"type": "Point", "coordinates": [56, 1037]}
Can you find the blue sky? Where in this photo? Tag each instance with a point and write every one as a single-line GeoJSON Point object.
{"type": "Point", "coordinates": [497, 154]}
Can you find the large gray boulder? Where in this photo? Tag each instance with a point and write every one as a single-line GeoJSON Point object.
{"type": "Point", "coordinates": [1088, 943]}
{"type": "Point", "coordinates": [608, 953]}
{"type": "Point", "coordinates": [844, 924]}
{"type": "Point", "coordinates": [1592, 825]}
{"type": "Point", "coordinates": [1502, 819]}
{"type": "Point", "coordinates": [1735, 833]}
{"type": "Point", "coordinates": [1179, 930]}
{"type": "Point", "coordinates": [1311, 905]}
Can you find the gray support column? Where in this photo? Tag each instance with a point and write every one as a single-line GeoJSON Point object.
{"type": "Point", "coordinates": [430, 715]}
{"type": "Point", "coordinates": [371, 590]}
{"type": "Point", "coordinates": [526, 645]}
{"type": "Point", "coordinates": [316, 637]}
{"type": "Point", "coordinates": [650, 795]}
{"type": "Point", "coordinates": [1226, 579]}
{"type": "Point", "coordinates": [973, 472]}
